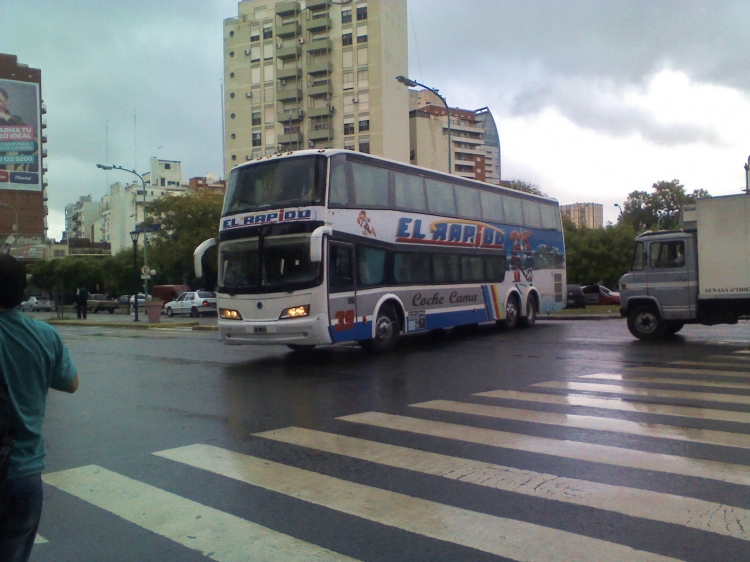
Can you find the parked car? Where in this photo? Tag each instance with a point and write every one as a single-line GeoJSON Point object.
{"type": "Point", "coordinates": [99, 302]}
{"type": "Point", "coordinates": [141, 300]}
{"type": "Point", "coordinates": [123, 300]}
{"type": "Point", "coordinates": [576, 298]}
{"type": "Point", "coordinates": [599, 294]}
{"type": "Point", "coordinates": [169, 293]}
{"type": "Point", "coordinates": [35, 304]}
{"type": "Point", "coordinates": [193, 303]}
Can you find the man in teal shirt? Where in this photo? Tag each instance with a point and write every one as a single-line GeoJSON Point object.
{"type": "Point", "coordinates": [33, 359]}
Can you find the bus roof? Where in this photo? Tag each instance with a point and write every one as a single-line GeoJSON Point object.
{"type": "Point", "coordinates": [328, 152]}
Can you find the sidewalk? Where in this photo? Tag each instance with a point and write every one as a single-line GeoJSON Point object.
{"type": "Point", "coordinates": [121, 319]}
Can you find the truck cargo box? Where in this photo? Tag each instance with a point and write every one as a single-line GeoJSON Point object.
{"type": "Point", "coordinates": [723, 231]}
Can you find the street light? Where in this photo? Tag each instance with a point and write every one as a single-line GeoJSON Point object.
{"type": "Point", "coordinates": [618, 206]}
{"type": "Point", "coordinates": [134, 237]}
{"type": "Point", "coordinates": [413, 83]}
{"type": "Point", "coordinates": [145, 237]}
{"type": "Point", "coordinates": [747, 176]}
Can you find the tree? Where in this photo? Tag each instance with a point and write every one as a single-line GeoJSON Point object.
{"type": "Point", "coordinates": [597, 255]}
{"type": "Point", "coordinates": [520, 185]}
{"type": "Point", "coordinates": [644, 211]}
{"type": "Point", "coordinates": [186, 221]}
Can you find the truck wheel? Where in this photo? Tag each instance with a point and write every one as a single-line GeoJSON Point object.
{"type": "Point", "coordinates": [300, 348]}
{"type": "Point", "coordinates": [531, 312]}
{"type": "Point", "coordinates": [645, 323]}
{"type": "Point", "coordinates": [512, 310]}
{"type": "Point", "coordinates": [387, 331]}
{"type": "Point", "coordinates": [672, 327]}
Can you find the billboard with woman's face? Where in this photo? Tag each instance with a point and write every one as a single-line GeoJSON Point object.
{"type": "Point", "coordinates": [20, 136]}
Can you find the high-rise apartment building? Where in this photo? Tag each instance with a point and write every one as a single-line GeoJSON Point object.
{"type": "Point", "coordinates": [316, 74]}
{"type": "Point", "coordinates": [590, 215]}
{"type": "Point", "coordinates": [23, 189]}
{"type": "Point", "coordinates": [475, 143]}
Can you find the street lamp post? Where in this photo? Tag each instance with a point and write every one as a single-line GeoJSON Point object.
{"type": "Point", "coordinates": [747, 176]}
{"type": "Point", "coordinates": [134, 238]}
{"type": "Point", "coordinates": [411, 84]}
{"type": "Point", "coordinates": [145, 237]}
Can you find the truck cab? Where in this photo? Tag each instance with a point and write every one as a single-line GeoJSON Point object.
{"type": "Point", "coordinates": [659, 294]}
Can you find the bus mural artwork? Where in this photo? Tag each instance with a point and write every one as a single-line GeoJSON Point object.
{"type": "Point", "coordinates": [300, 262]}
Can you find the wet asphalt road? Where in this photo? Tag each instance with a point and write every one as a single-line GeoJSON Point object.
{"type": "Point", "coordinates": [144, 392]}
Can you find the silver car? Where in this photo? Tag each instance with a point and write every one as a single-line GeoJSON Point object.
{"type": "Point", "coordinates": [194, 303]}
{"type": "Point", "coordinates": [34, 304]}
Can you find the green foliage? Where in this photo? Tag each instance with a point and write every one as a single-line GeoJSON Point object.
{"type": "Point", "coordinates": [646, 211]}
{"type": "Point", "coordinates": [597, 255]}
{"type": "Point", "coordinates": [520, 185]}
{"type": "Point", "coordinates": [186, 221]}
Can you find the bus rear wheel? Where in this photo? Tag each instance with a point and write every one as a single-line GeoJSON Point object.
{"type": "Point", "coordinates": [512, 310]}
{"type": "Point", "coordinates": [531, 313]}
{"type": "Point", "coordinates": [386, 331]}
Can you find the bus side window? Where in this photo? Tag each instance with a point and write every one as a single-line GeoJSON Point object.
{"type": "Point", "coordinates": [411, 268]}
{"type": "Point", "coordinates": [549, 216]}
{"type": "Point", "coordinates": [409, 192]}
{"type": "Point", "coordinates": [340, 268]}
{"type": "Point", "coordinates": [469, 206]}
{"type": "Point", "coordinates": [370, 185]}
{"type": "Point", "coordinates": [446, 268]}
{"type": "Point", "coordinates": [492, 207]}
{"type": "Point", "coordinates": [513, 213]}
{"type": "Point", "coordinates": [338, 186]}
{"type": "Point", "coordinates": [371, 265]}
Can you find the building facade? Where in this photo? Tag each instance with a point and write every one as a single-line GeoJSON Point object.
{"type": "Point", "coordinates": [475, 143]}
{"type": "Point", "coordinates": [589, 215]}
{"type": "Point", "coordinates": [81, 217]}
{"type": "Point", "coordinates": [315, 74]}
{"type": "Point", "coordinates": [23, 189]}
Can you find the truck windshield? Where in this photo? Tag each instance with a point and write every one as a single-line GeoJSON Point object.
{"type": "Point", "coordinates": [268, 265]}
{"type": "Point", "coordinates": [277, 183]}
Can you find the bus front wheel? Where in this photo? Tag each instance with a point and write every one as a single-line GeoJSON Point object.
{"type": "Point", "coordinates": [386, 331]}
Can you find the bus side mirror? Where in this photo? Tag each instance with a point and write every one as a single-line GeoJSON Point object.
{"type": "Point", "coordinates": [316, 243]}
{"type": "Point", "coordinates": [198, 255]}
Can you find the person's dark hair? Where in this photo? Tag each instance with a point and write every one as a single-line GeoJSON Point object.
{"type": "Point", "coordinates": [12, 281]}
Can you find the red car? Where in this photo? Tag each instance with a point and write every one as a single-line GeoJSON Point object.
{"type": "Point", "coordinates": [599, 294]}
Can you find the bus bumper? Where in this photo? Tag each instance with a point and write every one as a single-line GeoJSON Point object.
{"type": "Point", "coordinates": [311, 330]}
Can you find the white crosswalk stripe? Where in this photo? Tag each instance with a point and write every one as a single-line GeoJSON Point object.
{"type": "Point", "coordinates": [497, 535]}
{"type": "Point", "coordinates": [222, 536]}
{"type": "Point", "coordinates": [722, 363]}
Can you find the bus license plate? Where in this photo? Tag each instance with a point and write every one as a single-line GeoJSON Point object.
{"type": "Point", "coordinates": [260, 330]}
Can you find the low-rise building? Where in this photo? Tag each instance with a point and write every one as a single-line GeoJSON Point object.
{"type": "Point", "coordinates": [589, 215]}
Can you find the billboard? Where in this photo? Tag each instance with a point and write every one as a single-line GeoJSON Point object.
{"type": "Point", "coordinates": [20, 132]}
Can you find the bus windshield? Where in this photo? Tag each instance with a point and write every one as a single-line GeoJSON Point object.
{"type": "Point", "coordinates": [272, 184]}
{"type": "Point", "coordinates": [268, 265]}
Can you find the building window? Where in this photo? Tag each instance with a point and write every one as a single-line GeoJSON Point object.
{"type": "Point", "coordinates": [255, 33]}
{"type": "Point", "coordinates": [268, 51]}
{"type": "Point", "coordinates": [268, 72]}
{"type": "Point", "coordinates": [349, 127]}
{"type": "Point", "coordinates": [231, 95]}
{"type": "Point", "coordinates": [234, 157]}
{"type": "Point", "coordinates": [364, 146]}
{"type": "Point", "coordinates": [234, 136]}
{"type": "Point", "coordinates": [231, 33]}
{"type": "Point", "coordinates": [348, 79]}
{"type": "Point", "coordinates": [362, 56]}
{"type": "Point", "coordinates": [256, 118]}
{"type": "Point", "coordinates": [364, 101]}
{"type": "Point", "coordinates": [255, 75]}
{"type": "Point", "coordinates": [232, 116]}
{"type": "Point", "coordinates": [347, 59]}
{"type": "Point", "coordinates": [361, 13]}
{"type": "Point", "coordinates": [362, 34]}
{"type": "Point", "coordinates": [346, 39]}
{"type": "Point", "coordinates": [346, 16]}
{"type": "Point", "coordinates": [364, 124]}
{"type": "Point", "coordinates": [269, 114]}
{"type": "Point", "coordinates": [231, 74]}
{"type": "Point", "coordinates": [270, 137]}
{"type": "Point", "coordinates": [255, 53]}
{"type": "Point", "coordinates": [363, 79]}
{"type": "Point", "coordinates": [348, 104]}
{"type": "Point", "coordinates": [231, 54]}
{"type": "Point", "coordinates": [166, 167]}
{"type": "Point", "coordinates": [267, 31]}
{"type": "Point", "coordinates": [257, 139]}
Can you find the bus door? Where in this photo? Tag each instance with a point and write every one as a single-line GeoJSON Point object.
{"type": "Point", "coordinates": [342, 295]}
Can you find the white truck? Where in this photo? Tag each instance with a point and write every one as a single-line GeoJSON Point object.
{"type": "Point", "coordinates": [697, 275]}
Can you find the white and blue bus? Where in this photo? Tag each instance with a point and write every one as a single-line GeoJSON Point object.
{"type": "Point", "coordinates": [325, 246]}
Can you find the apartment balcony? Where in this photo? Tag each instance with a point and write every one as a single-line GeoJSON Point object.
{"type": "Point", "coordinates": [44, 123]}
{"type": "Point", "coordinates": [44, 153]}
{"type": "Point", "coordinates": [44, 108]}
{"type": "Point", "coordinates": [320, 134]}
{"type": "Point", "coordinates": [290, 116]}
{"type": "Point", "coordinates": [289, 52]}
{"type": "Point", "coordinates": [322, 90]}
{"type": "Point", "coordinates": [44, 138]}
{"type": "Point", "coordinates": [293, 28]}
{"type": "Point", "coordinates": [289, 73]}
{"type": "Point", "coordinates": [459, 162]}
{"type": "Point", "coordinates": [317, 4]}
{"type": "Point", "coordinates": [287, 8]}
{"type": "Point", "coordinates": [289, 94]}
{"type": "Point", "coordinates": [467, 140]}
{"type": "Point", "coordinates": [318, 24]}
{"type": "Point", "coordinates": [324, 67]}
{"type": "Point", "coordinates": [472, 151]}
{"type": "Point", "coordinates": [319, 45]}
{"type": "Point", "coordinates": [292, 138]}
{"type": "Point", "coordinates": [318, 111]}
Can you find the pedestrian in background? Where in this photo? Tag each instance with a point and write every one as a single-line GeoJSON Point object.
{"type": "Point", "coordinates": [82, 298]}
{"type": "Point", "coordinates": [33, 359]}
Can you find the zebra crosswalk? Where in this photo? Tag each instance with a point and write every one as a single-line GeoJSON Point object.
{"type": "Point", "coordinates": [571, 444]}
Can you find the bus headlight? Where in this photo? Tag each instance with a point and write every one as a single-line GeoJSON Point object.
{"type": "Point", "coordinates": [295, 312]}
{"type": "Point", "coordinates": [228, 314]}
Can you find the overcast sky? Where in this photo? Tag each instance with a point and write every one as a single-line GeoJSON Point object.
{"type": "Point", "coordinates": [593, 99]}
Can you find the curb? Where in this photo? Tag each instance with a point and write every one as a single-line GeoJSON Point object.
{"type": "Point", "coordinates": [582, 317]}
{"type": "Point", "coordinates": [194, 326]}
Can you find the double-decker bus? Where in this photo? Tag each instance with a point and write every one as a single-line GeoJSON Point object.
{"type": "Point", "coordinates": [325, 246]}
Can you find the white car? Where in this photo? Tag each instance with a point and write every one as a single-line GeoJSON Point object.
{"type": "Point", "coordinates": [34, 304]}
{"type": "Point", "coordinates": [193, 303]}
